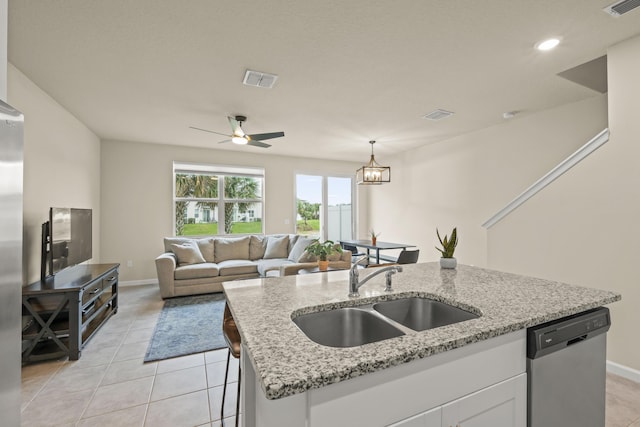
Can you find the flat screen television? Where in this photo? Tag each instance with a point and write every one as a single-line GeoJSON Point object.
{"type": "Point", "coordinates": [66, 239]}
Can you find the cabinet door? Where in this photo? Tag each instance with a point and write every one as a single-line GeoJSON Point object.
{"type": "Point", "coordinates": [501, 405]}
{"type": "Point", "coordinates": [431, 418]}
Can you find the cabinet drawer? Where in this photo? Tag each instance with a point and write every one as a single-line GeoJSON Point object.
{"type": "Point", "coordinates": [91, 291]}
{"type": "Point", "coordinates": [109, 280]}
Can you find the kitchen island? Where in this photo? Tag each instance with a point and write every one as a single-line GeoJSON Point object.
{"type": "Point", "coordinates": [290, 380]}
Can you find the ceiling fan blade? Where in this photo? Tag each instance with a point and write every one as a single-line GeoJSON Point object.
{"type": "Point", "coordinates": [263, 136]}
{"type": "Point", "coordinates": [258, 144]}
{"type": "Point", "coordinates": [210, 131]}
{"type": "Point", "coordinates": [236, 127]}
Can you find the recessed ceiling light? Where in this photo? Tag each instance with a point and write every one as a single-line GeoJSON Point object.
{"type": "Point", "coordinates": [547, 44]}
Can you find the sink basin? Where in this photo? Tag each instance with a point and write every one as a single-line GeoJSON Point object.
{"type": "Point", "coordinates": [345, 327]}
{"type": "Point", "coordinates": [421, 314]}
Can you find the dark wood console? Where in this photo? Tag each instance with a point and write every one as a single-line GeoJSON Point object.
{"type": "Point", "coordinates": [63, 312]}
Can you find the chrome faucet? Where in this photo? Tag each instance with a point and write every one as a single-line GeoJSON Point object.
{"type": "Point", "coordinates": [354, 277]}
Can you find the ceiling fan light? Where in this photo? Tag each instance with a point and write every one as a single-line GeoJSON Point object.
{"type": "Point", "coordinates": [239, 140]}
{"type": "Point", "coordinates": [548, 44]}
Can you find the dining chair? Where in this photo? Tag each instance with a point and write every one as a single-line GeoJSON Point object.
{"type": "Point", "coordinates": [232, 337]}
{"type": "Point", "coordinates": [353, 250]}
{"type": "Point", "coordinates": [408, 257]}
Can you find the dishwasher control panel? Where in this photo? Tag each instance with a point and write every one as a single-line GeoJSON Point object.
{"type": "Point", "coordinates": [548, 337]}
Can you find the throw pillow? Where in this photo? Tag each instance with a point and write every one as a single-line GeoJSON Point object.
{"type": "Point", "coordinates": [205, 245]}
{"type": "Point", "coordinates": [307, 257]}
{"type": "Point", "coordinates": [336, 255]}
{"type": "Point", "coordinates": [298, 249]}
{"type": "Point", "coordinates": [257, 246]}
{"type": "Point", "coordinates": [232, 248]}
{"type": "Point", "coordinates": [277, 247]}
{"type": "Point", "coordinates": [187, 253]}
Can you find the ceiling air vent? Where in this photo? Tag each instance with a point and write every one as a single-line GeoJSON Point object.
{"type": "Point", "coordinates": [259, 79]}
{"type": "Point", "coordinates": [438, 114]}
{"type": "Point", "coordinates": [621, 7]}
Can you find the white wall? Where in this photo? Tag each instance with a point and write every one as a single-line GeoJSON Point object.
{"type": "Point", "coordinates": [584, 228]}
{"type": "Point", "coordinates": [464, 181]}
{"type": "Point", "coordinates": [61, 165]}
{"type": "Point", "coordinates": [137, 185]}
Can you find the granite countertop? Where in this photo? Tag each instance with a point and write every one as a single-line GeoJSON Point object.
{"type": "Point", "coordinates": [286, 362]}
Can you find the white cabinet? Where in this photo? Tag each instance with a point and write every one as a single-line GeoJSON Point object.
{"type": "Point", "coordinates": [432, 418]}
{"type": "Point", "coordinates": [500, 405]}
{"type": "Point", "coordinates": [479, 384]}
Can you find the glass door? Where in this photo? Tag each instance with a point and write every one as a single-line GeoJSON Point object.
{"type": "Point", "coordinates": [324, 206]}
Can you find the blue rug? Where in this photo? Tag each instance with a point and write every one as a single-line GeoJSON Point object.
{"type": "Point", "coordinates": [188, 325]}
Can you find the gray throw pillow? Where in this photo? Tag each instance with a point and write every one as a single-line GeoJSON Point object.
{"type": "Point", "coordinates": [232, 248]}
{"type": "Point", "coordinates": [187, 253]}
{"type": "Point", "coordinates": [257, 246]}
{"type": "Point", "coordinates": [277, 247]}
{"type": "Point", "coordinates": [298, 249]}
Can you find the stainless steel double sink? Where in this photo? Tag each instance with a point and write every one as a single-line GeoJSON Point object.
{"type": "Point", "coordinates": [354, 326]}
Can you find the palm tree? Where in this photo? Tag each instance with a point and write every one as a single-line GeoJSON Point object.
{"type": "Point", "coordinates": [184, 188]}
{"type": "Point", "coordinates": [206, 187]}
{"type": "Point", "coordinates": [237, 187]}
{"type": "Point", "coordinates": [197, 186]}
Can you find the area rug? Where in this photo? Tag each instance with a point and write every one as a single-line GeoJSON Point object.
{"type": "Point", "coordinates": [187, 325]}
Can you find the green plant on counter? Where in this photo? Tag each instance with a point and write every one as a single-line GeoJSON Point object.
{"type": "Point", "coordinates": [448, 244]}
{"type": "Point", "coordinates": [323, 249]}
{"type": "Point", "coordinates": [373, 234]}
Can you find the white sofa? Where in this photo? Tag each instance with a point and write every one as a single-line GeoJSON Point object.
{"type": "Point", "coordinates": [199, 265]}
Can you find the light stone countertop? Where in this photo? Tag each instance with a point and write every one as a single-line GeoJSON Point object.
{"type": "Point", "coordinates": [286, 362]}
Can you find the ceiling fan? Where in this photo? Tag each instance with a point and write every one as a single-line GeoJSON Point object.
{"type": "Point", "coordinates": [239, 137]}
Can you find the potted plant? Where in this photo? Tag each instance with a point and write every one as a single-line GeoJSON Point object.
{"type": "Point", "coordinates": [374, 236]}
{"type": "Point", "coordinates": [448, 248]}
{"type": "Point", "coordinates": [322, 250]}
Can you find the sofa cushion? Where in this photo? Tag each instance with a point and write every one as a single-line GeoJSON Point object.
{"type": "Point", "coordinates": [205, 245]}
{"type": "Point", "coordinates": [257, 246]}
{"type": "Point", "coordinates": [196, 271]}
{"type": "Point", "coordinates": [187, 253]}
{"type": "Point", "coordinates": [298, 249]}
{"type": "Point", "coordinates": [237, 266]}
{"type": "Point", "coordinates": [277, 247]}
{"type": "Point", "coordinates": [266, 265]}
{"type": "Point", "coordinates": [236, 248]}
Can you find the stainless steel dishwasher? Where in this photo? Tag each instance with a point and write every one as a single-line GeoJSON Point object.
{"type": "Point", "coordinates": [566, 371]}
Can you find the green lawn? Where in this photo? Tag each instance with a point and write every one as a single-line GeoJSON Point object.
{"type": "Point", "coordinates": [205, 229]}
{"type": "Point", "coordinates": [314, 225]}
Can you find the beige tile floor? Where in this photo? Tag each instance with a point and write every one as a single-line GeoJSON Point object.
{"type": "Point", "coordinates": [110, 386]}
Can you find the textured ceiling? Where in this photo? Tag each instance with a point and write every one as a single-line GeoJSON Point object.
{"type": "Point", "coordinates": [349, 70]}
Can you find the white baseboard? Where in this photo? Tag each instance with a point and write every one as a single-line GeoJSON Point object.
{"type": "Point", "coordinates": [138, 282]}
{"type": "Point", "coordinates": [623, 371]}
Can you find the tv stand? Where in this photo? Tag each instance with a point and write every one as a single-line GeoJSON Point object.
{"type": "Point", "coordinates": [63, 312]}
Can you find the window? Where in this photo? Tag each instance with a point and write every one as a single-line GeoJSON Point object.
{"type": "Point", "coordinates": [210, 199]}
{"type": "Point", "coordinates": [324, 206]}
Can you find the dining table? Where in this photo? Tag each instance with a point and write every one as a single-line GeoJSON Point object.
{"type": "Point", "coordinates": [377, 247]}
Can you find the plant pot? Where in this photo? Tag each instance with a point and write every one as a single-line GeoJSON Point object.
{"type": "Point", "coordinates": [323, 265]}
{"type": "Point", "coordinates": [449, 263]}
{"type": "Point", "coordinates": [373, 240]}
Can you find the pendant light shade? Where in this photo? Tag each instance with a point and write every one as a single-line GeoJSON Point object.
{"type": "Point", "coordinates": [373, 173]}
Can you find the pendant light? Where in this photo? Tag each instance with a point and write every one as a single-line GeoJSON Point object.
{"type": "Point", "coordinates": [373, 173]}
